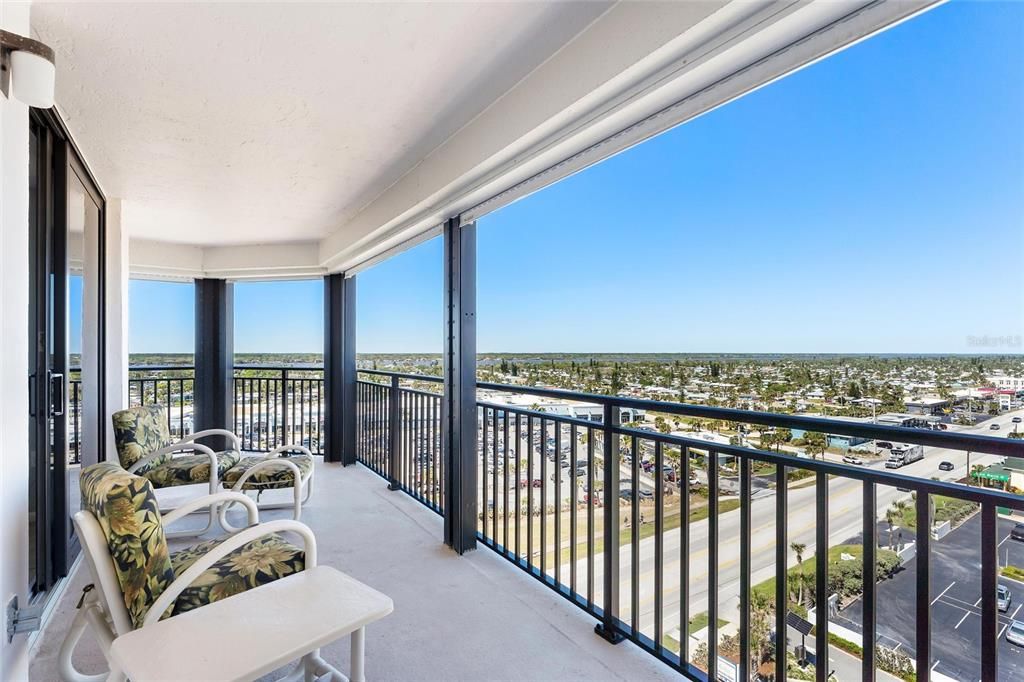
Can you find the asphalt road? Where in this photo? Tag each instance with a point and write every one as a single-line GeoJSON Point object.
{"type": "Point", "coordinates": [956, 605]}
{"type": "Point", "coordinates": [845, 520]}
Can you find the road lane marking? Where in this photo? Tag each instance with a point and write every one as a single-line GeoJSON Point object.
{"type": "Point", "coordinates": [1000, 635]}
{"type": "Point", "coordinates": [1014, 616]}
{"type": "Point", "coordinates": [966, 613]}
{"type": "Point", "coordinates": [977, 602]}
{"type": "Point", "coordinates": [933, 665]}
{"type": "Point", "coordinates": [942, 593]}
{"type": "Point", "coordinates": [1003, 540]}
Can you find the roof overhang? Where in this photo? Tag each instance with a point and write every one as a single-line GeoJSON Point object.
{"type": "Point", "coordinates": [635, 71]}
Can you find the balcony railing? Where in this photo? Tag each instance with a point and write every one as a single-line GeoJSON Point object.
{"type": "Point", "coordinates": [399, 434]}
{"type": "Point", "coordinates": [647, 556]}
{"type": "Point", "coordinates": [273, 405]}
{"type": "Point", "coordinates": [279, 405]}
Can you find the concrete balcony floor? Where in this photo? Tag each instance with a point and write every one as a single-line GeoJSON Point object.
{"type": "Point", "coordinates": [475, 617]}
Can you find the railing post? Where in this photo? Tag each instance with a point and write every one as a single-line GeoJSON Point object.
{"type": "Point", "coordinates": [394, 422]}
{"type": "Point", "coordinates": [284, 410]}
{"type": "Point", "coordinates": [608, 627]}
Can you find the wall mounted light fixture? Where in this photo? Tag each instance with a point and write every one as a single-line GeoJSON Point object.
{"type": "Point", "coordinates": [30, 64]}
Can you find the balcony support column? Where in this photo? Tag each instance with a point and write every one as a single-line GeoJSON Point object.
{"type": "Point", "coordinates": [340, 369]}
{"type": "Point", "coordinates": [214, 359]}
{"type": "Point", "coordinates": [459, 417]}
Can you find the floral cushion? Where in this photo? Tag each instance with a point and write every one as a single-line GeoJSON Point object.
{"type": "Point", "coordinates": [188, 469]}
{"type": "Point", "coordinates": [277, 475]}
{"type": "Point", "coordinates": [127, 511]}
{"type": "Point", "coordinates": [259, 562]}
{"type": "Point", "coordinates": [140, 431]}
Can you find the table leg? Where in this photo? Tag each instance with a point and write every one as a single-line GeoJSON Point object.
{"type": "Point", "coordinates": [309, 667]}
{"type": "Point", "coordinates": [358, 672]}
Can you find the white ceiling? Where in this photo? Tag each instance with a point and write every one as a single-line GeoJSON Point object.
{"type": "Point", "coordinates": [267, 123]}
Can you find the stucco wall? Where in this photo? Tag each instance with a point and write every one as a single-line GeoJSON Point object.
{"type": "Point", "coordinates": [14, 16]}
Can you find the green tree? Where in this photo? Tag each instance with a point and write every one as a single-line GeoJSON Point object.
{"type": "Point", "coordinates": [815, 443]}
{"type": "Point", "coordinates": [799, 548]}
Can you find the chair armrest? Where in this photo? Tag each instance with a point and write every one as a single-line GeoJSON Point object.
{"type": "Point", "coordinates": [285, 448]}
{"type": "Point", "coordinates": [210, 500]}
{"type": "Point", "coordinates": [213, 432]}
{"type": "Point", "coordinates": [175, 447]}
{"type": "Point", "coordinates": [174, 590]}
{"type": "Point", "coordinates": [170, 449]}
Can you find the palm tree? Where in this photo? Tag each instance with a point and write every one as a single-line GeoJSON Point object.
{"type": "Point", "coordinates": [894, 513]}
{"type": "Point", "coordinates": [799, 548]}
{"type": "Point", "coordinates": [890, 517]}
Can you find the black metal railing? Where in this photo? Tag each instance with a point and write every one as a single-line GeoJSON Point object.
{"type": "Point", "coordinates": [167, 385]}
{"type": "Point", "coordinates": [399, 434]}
{"type": "Point", "coordinates": [75, 419]}
{"type": "Point", "coordinates": [274, 405]}
{"type": "Point", "coordinates": [279, 405]}
{"type": "Point", "coordinates": [627, 522]}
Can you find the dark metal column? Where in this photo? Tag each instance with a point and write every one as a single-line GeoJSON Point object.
{"type": "Point", "coordinates": [459, 404]}
{"type": "Point", "coordinates": [214, 359]}
{"type": "Point", "coordinates": [340, 369]}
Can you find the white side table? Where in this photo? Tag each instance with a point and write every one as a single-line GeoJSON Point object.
{"type": "Point", "coordinates": [253, 633]}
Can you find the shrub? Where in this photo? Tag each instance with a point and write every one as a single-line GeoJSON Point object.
{"type": "Point", "coordinates": [896, 663]}
{"type": "Point", "coordinates": [1014, 572]}
{"type": "Point", "coordinates": [845, 644]}
{"type": "Point", "coordinates": [846, 578]}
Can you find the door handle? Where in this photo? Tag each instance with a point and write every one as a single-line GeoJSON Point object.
{"type": "Point", "coordinates": [31, 395]}
{"type": "Point", "coordinates": [56, 406]}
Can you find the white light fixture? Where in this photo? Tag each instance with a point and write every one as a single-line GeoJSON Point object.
{"type": "Point", "coordinates": [30, 65]}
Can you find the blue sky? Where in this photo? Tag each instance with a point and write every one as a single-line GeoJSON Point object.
{"type": "Point", "coordinates": [869, 203]}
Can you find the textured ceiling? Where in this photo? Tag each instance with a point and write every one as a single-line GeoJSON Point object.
{"type": "Point", "coordinates": [260, 123]}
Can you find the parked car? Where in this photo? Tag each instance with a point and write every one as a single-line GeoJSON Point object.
{"type": "Point", "coordinates": [643, 493]}
{"type": "Point", "coordinates": [1016, 420]}
{"type": "Point", "coordinates": [945, 466]}
{"type": "Point", "coordinates": [1015, 633]}
{"type": "Point", "coordinates": [1018, 532]}
{"type": "Point", "coordinates": [850, 459]}
{"type": "Point", "coordinates": [1003, 598]}
{"type": "Point", "coordinates": [994, 427]}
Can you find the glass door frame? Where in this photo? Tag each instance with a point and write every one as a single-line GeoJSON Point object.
{"type": "Point", "coordinates": [57, 159]}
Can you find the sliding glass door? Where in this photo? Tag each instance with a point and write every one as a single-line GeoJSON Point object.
{"type": "Point", "coordinates": [65, 343]}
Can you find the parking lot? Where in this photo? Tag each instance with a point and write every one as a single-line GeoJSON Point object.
{"type": "Point", "coordinates": [956, 605]}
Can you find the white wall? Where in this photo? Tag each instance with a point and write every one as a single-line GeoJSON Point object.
{"type": "Point", "coordinates": [117, 317]}
{"type": "Point", "coordinates": [90, 336]}
{"type": "Point", "coordinates": [14, 355]}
